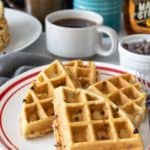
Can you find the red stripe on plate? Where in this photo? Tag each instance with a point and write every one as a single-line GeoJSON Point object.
{"type": "Point", "coordinates": [2, 95]}
{"type": "Point", "coordinates": [4, 144]}
{"type": "Point", "coordinates": [2, 110]}
{"type": "Point", "coordinates": [16, 83]}
{"type": "Point", "coordinates": [110, 69]}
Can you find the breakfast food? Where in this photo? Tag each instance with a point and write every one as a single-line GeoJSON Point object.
{"type": "Point", "coordinates": [4, 31]}
{"type": "Point", "coordinates": [140, 47]}
{"type": "Point", "coordinates": [86, 74]}
{"type": "Point", "coordinates": [125, 92]}
{"type": "Point", "coordinates": [84, 113]}
{"type": "Point", "coordinates": [86, 121]}
{"type": "Point", "coordinates": [37, 110]}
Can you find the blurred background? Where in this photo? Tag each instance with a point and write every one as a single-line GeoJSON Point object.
{"type": "Point", "coordinates": [110, 10]}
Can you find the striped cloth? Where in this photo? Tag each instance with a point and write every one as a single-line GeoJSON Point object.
{"type": "Point", "coordinates": [16, 63]}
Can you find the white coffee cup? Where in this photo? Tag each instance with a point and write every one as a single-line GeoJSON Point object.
{"type": "Point", "coordinates": [78, 42]}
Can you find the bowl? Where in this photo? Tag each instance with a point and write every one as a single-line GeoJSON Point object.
{"type": "Point", "coordinates": [137, 62]}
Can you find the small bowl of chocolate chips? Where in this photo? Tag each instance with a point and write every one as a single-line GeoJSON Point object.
{"type": "Point", "coordinates": [139, 47]}
{"type": "Point", "coordinates": [134, 53]}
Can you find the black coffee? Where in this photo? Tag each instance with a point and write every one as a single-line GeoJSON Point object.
{"type": "Point", "coordinates": [74, 23]}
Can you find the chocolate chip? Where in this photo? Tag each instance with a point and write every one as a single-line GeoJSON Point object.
{"type": "Point", "coordinates": [116, 109]}
{"type": "Point", "coordinates": [147, 49]}
{"type": "Point", "coordinates": [104, 83]}
{"type": "Point", "coordinates": [125, 45]}
{"type": "Point", "coordinates": [57, 145]}
{"type": "Point", "coordinates": [32, 87]}
{"type": "Point", "coordinates": [139, 51]}
{"type": "Point", "coordinates": [52, 114]}
{"type": "Point", "coordinates": [76, 118]}
{"type": "Point", "coordinates": [139, 47]}
{"type": "Point", "coordinates": [144, 41]}
{"type": "Point", "coordinates": [136, 131]}
{"type": "Point", "coordinates": [92, 110]}
{"type": "Point", "coordinates": [56, 127]}
{"type": "Point", "coordinates": [103, 138]}
{"type": "Point", "coordinates": [102, 112]}
{"type": "Point", "coordinates": [80, 111]}
{"type": "Point", "coordinates": [24, 100]}
{"type": "Point", "coordinates": [106, 125]}
{"type": "Point", "coordinates": [32, 132]}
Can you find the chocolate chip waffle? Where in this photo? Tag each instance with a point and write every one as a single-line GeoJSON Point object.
{"type": "Point", "coordinates": [125, 92]}
{"type": "Point", "coordinates": [4, 31]}
{"type": "Point", "coordinates": [86, 121]}
{"type": "Point", "coordinates": [85, 73]}
{"type": "Point", "coordinates": [37, 111]}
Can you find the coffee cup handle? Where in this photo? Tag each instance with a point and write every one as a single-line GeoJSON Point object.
{"type": "Point", "coordinates": [113, 38]}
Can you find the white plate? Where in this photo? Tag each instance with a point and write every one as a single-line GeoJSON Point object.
{"type": "Point", "coordinates": [24, 30]}
{"type": "Point", "coordinates": [11, 97]}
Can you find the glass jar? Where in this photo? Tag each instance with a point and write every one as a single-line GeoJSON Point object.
{"type": "Point", "coordinates": [137, 16]}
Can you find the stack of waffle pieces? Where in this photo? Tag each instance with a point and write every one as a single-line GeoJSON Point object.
{"type": "Point", "coordinates": [37, 110]}
{"type": "Point", "coordinates": [84, 111]}
{"type": "Point", "coordinates": [4, 30]}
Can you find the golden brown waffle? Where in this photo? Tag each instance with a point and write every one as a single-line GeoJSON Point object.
{"type": "Point", "coordinates": [86, 121]}
{"type": "Point", "coordinates": [4, 31]}
{"type": "Point", "coordinates": [125, 92]}
{"type": "Point", "coordinates": [85, 73]}
{"type": "Point", "coordinates": [37, 112]}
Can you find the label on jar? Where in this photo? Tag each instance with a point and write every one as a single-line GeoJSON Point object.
{"type": "Point", "coordinates": [142, 13]}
